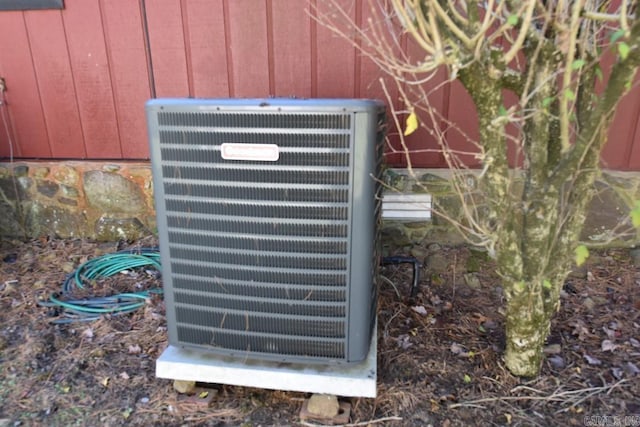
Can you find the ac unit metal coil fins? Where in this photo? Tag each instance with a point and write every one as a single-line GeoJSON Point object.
{"type": "Point", "coordinates": [260, 120]}
{"type": "Point", "coordinates": [268, 213]}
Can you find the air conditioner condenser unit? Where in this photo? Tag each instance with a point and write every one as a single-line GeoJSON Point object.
{"type": "Point", "coordinates": [268, 214]}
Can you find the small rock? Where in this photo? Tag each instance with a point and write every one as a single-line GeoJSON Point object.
{"type": "Point", "coordinates": [600, 300]}
{"type": "Point", "coordinates": [110, 168]}
{"type": "Point", "coordinates": [68, 202]}
{"type": "Point", "coordinates": [70, 192]}
{"type": "Point", "coordinates": [472, 281]}
{"type": "Point", "coordinates": [5, 422]}
{"type": "Point", "coordinates": [184, 387]}
{"type": "Point", "coordinates": [419, 253]}
{"type": "Point", "coordinates": [202, 397]}
{"type": "Point", "coordinates": [41, 172]}
{"type": "Point", "coordinates": [557, 362]}
{"type": "Point", "coordinates": [553, 349]}
{"type": "Point", "coordinates": [434, 247]}
{"type": "Point", "coordinates": [10, 258]}
{"type": "Point", "coordinates": [20, 170]}
{"type": "Point", "coordinates": [579, 272]}
{"type": "Point", "coordinates": [588, 303]}
{"type": "Point", "coordinates": [436, 263]}
{"type": "Point", "coordinates": [324, 405]}
{"type": "Point", "coordinates": [144, 400]}
{"type": "Point", "coordinates": [114, 229]}
{"type": "Point", "coordinates": [47, 188]}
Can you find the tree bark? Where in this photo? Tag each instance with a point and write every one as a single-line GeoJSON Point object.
{"type": "Point", "coordinates": [527, 327]}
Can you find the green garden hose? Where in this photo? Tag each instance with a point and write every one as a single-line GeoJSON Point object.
{"type": "Point", "coordinates": [70, 308]}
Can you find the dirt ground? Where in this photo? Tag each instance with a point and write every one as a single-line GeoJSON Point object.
{"type": "Point", "coordinates": [439, 355]}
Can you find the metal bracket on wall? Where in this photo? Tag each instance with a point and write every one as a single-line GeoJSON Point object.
{"type": "Point", "coordinates": [406, 207]}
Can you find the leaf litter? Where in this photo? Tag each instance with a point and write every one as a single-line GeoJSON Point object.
{"type": "Point", "coordinates": [439, 354]}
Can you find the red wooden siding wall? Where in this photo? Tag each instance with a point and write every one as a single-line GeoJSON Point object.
{"type": "Point", "coordinates": [77, 79]}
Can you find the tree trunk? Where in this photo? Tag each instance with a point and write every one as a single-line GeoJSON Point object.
{"type": "Point", "coordinates": [528, 321]}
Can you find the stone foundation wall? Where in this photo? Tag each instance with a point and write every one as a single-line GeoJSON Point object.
{"type": "Point", "coordinates": [113, 201]}
{"type": "Point", "coordinates": [103, 201]}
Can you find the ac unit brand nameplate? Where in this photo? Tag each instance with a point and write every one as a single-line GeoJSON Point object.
{"type": "Point", "coordinates": [253, 152]}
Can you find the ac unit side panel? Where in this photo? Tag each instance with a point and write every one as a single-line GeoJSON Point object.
{"type": "Point", "coordinates": [258, 219]}
{"type": "Point", "coordinates": [161, 218]}
{"type": "Point", "coordinates": [364, 256]}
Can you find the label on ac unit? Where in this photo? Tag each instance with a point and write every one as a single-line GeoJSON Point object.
{"type": "Point", "coordinates": [253, 152]}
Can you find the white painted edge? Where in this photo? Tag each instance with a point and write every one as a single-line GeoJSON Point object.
{"type": "Point", "coordinates": [357, 380]}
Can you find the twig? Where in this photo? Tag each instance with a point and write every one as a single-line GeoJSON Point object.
{"type": "Point", "coordinates": [393, 285]}
{"type": "Point", "coordinates": [362, 423]}
{"type": "Point", "coordinates": [554, 397]}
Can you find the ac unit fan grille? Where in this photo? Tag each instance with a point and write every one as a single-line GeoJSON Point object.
{"type": "Point", "coordinates": [254, 120]}
{"type": "Point", "coordinates": [268, 257]}
{"type": "Point", "coordinates": [259, 249]}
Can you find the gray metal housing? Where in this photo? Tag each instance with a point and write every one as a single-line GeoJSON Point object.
{"type": "Point", "coordinates": [268, 213]}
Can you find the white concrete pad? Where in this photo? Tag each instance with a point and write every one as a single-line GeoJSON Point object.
{"type": "Point", "coordinates": [357, 380]}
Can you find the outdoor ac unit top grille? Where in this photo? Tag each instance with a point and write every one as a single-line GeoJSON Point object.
{"type": "Point", "coordinates": [261, 121]}
{"type": "Point", "coordinates": [260, 255]}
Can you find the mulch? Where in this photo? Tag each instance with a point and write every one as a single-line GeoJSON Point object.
{"type": "Point", "coordinates": [439, 354]}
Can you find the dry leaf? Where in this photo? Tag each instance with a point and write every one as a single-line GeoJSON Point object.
{"type": "Point", "coordinates": [456, 348]}
{"type": "Point", "coordinates": [592, 360]}
{"type": "Point", "coordinates": [631, 369]}
{"type": "Point", "coordinates": [420, 310]}
{"type": "Point", "coordinates": [617, 373]}
{"type": "Point", "coordinates": [411, 125]}
{"type": "Point", "coordinates": [580, 330]}
{"type": "Point", "coordinates": [135, 349]}
{"type": "Point", "coordinates": [610, 332]}
{"type": "Point", "coordinates": [404, 342]}
{"type": "Point", "coordinates": [105, 382]}
{"type": "Point", "coordinates": [124, 376]}
{"type": "Point", "coordinates": [608, 345]}
{"type": "Point", "coordinates": [68, 267]}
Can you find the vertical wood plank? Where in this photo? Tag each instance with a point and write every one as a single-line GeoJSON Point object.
{"type": "Point", "coordinates": [335, 57]}
{"type": "Point", "coordinates": [55, 79]}
{"type": "Point", "coordinates": [248, 46]}
{"type": "Point", "coordinates": [292, 48]}
{"type": "Point", "coordinates": [129, 73]}
{"type": "Point", "coordinates": [634, 158]}
{"type": "Point", "coordinates": [207, 44]}
{"type": "Point", "coordinates": [87, 50]}
{"type": "Point", "coordinates": [618, 152]}
{"type": "Point", "coordinates": [423, 144]}
{"type": "Point", "coordinates": [168, 52]}
{"type": "Point", "coordinates": [27, 124]}
{"type": "Point", "coordinates": [463, 134]}
{"type": "Point", "coordinates": [633, 140]}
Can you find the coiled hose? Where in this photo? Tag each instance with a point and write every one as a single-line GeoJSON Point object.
{"type": "Point", "coordinates": [74, 309]}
